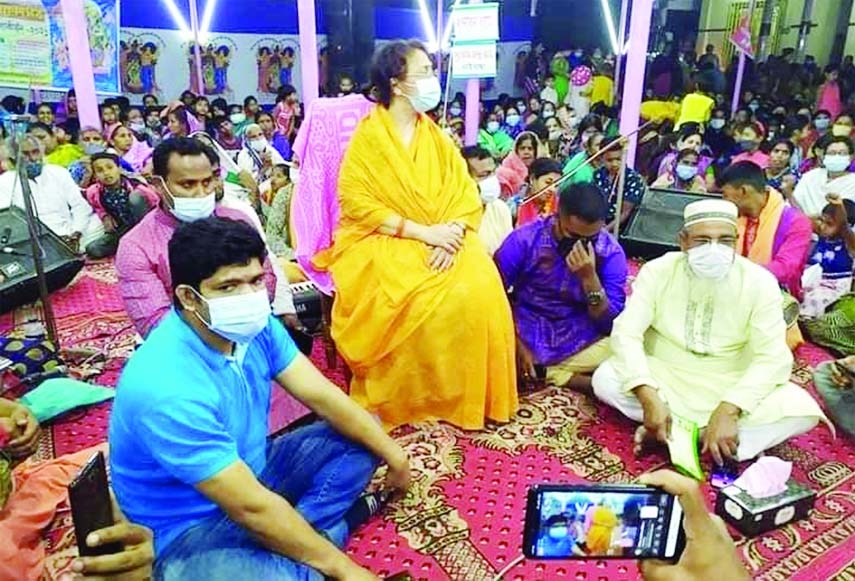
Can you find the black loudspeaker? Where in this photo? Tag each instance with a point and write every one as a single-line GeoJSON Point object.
{"type": "Point", "coordinates": [653, 228]}
{"type": "Point", "coordinates": [350, 39]}
{"type": "Point", "coordinates": [18, 284]}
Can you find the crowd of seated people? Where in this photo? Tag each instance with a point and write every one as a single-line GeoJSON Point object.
{"type": "Point", "coordinates": [426, 229]}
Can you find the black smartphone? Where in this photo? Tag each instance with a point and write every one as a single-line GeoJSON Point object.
{"type": "Point", "coordinates": [91, 507]}
{"type": "Point", "coordinates": [723, 475]}
{"type": "Point", "coordinates": [568, 521]}
{"type": "Point", "coordinates": [565, 245]}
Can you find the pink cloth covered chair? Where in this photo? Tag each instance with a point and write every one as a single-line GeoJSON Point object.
{"type": "Point", "coordinates": [319, 148]}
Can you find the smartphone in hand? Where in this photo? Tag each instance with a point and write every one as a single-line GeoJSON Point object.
{"type": "Point", "coordinates": [602, 522]}
{"type": "Point", "coordinates": [91, 508]}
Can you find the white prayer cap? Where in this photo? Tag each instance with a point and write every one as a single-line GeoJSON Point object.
{"type": "Point", "coordinates": [710, 211]}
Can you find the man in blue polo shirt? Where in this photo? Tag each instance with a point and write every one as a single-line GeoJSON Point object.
{"type": "Point", "coordinates": [189, 453]}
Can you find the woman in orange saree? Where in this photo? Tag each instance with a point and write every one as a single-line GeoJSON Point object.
{"type": "Point", "coordinates": [420, 313]}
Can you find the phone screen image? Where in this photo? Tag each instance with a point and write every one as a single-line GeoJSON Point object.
{"type": "Point", "coordinates": [91, 507]}
{"type": "Point", "coordinates": [619, 522]}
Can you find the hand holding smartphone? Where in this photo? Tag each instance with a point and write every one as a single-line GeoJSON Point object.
{"type": "Point", "coordinates": [91, 507]}
{"type": "Point", "coordinates": [602, 522]}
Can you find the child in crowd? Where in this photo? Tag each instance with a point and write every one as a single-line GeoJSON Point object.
{"type": "Point", "coordinates": [830, 275]}
{"type": "Point", "coordinates": [118, 201]}
{"type": "Point", "coordinates": [276, 199]}
{"type": "Point", "coordinates": [549, 94]}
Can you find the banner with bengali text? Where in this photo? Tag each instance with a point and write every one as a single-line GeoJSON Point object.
{"type": "Point", "coordinates": [34, 52]}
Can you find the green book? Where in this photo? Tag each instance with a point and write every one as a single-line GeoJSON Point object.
{"type": "Point", "coordinates": [683, 447]}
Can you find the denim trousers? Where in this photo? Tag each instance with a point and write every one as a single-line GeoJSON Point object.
{"type": "Point", "coordinates": [320, 472]}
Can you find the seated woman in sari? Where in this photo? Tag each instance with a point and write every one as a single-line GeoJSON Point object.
{"type": "Point", "coordinates": [683, 173]}
{"type": "Point", "coordinates": [513, 172]}
{"type": "Point", "coordinates": [407, 264]}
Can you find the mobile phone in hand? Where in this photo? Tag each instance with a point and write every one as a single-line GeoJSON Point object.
{"type": "Point", "coordinates": [568, 521]}
{"type": "Point", "coordinates": [91, 507]}
{"type": "Point", "coordinates": [723, 475]}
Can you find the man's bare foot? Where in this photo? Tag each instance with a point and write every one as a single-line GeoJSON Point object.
{"type": "Point", "coordinates": [581, 383]}
{"type": "Point", "coordinates": [644, 442]}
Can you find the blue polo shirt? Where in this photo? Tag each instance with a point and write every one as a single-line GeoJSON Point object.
{"type": "Point", "coordinates": [184, 412]}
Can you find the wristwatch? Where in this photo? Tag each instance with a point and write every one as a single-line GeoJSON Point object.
{"type": "Point", "coordinates": [596, 298]}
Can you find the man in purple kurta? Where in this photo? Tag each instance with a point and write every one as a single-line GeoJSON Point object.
{"type": "Point", "coordinates": [566, 277]}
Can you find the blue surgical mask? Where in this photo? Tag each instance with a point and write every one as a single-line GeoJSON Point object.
{"type": "Point", "coordinates": [238, 318]}
{"type": "Point", "coordinates": [822, 123]}
{"type": "Point", "coordinates": [190, 209]}
{"type": "Point", "coordinates": [686, 172]}
{"type": "Point", "coordinates": [492, 126]}
{"type": "Point", "coordinates": [34, 169]}
{"type": "Point", "coordinates": [512, 120]}
{"type": "Point", "coordinates": [455, 111]}
{"type": "Point", "coordinates": [747, 144]}
{"type": "Point", "coordinates": [836, 163]}
{"type": "Point", "coordinates": [548, 114]}
{"type": "Point", "coordinates": [93, 148]}
{"type": "Point", "coordinates": [717, 123]}
{"type": "Point", "coordinates": [427, 95]}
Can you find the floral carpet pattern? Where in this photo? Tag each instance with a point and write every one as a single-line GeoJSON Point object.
{"type": "Point", "coordinates": [462, 519]}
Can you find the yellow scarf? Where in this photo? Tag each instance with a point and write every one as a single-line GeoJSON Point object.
{"type": "Point", "coordinates": [770, 217]}
{"type": "Point", "coordinates": [377, 277]}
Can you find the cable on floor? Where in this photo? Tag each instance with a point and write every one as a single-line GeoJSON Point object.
{"type": "Point", "coordinates": [510, 566]}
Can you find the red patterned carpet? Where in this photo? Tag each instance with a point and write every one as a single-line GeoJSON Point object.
{"type": "Point", "coordinates": [462, 520]}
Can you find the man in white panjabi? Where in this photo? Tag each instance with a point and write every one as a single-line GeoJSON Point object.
{"type": "Point", "coordinates": [702, 337]}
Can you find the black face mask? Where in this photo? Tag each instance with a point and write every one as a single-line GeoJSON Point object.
{"type": "Point", "coordinates": [566, 244]}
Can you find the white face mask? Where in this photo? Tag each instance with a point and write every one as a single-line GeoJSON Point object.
{"type": "Point", "coordinates": [717, 123]}
{"type": "Point", "coordinates": [835, 162]}
{"type": "Point", "coordinates": [137, 126]}
{"type": "Point", "coordinates": [237, 118]}
{"type": "Point", "coordinates": [711, 261]}
{"type": "Point", "coordinates": [554, 134]}
{"type": "Point", "coordinates": [427, 96]}
{"type": "Point", "coordinates": [258, 144]}
{"type": "Point", "coordinates": [191, 209]}
{"type": "Point", "coordinates": [294, 174]}
{"type": "Point", "coordinates": [238, 318]}
{"type": "Point", "coordinates": [490, 189]}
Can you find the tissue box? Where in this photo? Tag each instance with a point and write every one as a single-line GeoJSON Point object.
{"type": "Point", "coordinates": [755, 516]}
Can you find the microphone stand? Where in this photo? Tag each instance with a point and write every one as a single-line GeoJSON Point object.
{"type": "Point", "coordinates": [19, 127]}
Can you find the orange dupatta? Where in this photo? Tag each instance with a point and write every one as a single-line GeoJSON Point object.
{"type": "Point", "coordinates": [421, 343]}
{"type": "Point", "coordinates": [768, 222]}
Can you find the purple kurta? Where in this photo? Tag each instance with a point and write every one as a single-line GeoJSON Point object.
{"type": "Point", "coordinates": [549, 304]}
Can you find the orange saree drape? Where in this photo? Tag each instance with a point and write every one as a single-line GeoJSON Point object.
{"type": "Point", "coordinates": [421, 344]}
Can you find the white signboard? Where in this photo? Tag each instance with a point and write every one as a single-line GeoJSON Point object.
{"type": "Point", "coordinates": [475, 22]}
{"type": "Point", "coordinates": [473, 60]}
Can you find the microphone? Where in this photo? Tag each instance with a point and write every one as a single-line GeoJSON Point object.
{"type": "Point", "coordinates": [7, 233]}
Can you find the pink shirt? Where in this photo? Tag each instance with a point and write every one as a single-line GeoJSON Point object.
{"type": "Point", "coordinates": [142, 263]}
{"type": "Point", "coordinates": [93, 195]}
{"type": "Point", "coordinates": [757, 157]}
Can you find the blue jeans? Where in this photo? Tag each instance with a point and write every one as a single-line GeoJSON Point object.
{"type": "Point", "coordinates": [320, 472]}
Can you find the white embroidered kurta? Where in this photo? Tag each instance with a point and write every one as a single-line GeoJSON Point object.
{"type": "Point", "coordinates": [701, 342]}
{"type": "Point", "coordinates": [496, 224]}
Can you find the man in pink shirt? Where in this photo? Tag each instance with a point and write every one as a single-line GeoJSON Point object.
{"type": "Point", "coordinates": [771, 232]}
{"type": "Point", "coordinates": [184, 178]}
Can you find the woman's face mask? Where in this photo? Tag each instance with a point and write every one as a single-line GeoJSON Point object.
{"type": "Point", "coordinates": [717, 123]}
{"type": "Point", "coordinates": [686, 172]}
{"type": "Point", "coordinates": [492, 126]}
{"type": "Point", "coordinates": [836, 162]}
{"type": "Point", "coordinates": [841, 130]}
